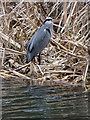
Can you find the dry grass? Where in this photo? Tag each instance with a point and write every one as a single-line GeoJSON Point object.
{"type": "Point", "coordinates": [66, 57]}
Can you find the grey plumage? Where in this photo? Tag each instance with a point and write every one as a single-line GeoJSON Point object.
{"type": "Point", "coordinates": [39, 40]}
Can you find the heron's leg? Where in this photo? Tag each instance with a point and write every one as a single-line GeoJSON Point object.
{"type": "Point", "coordinates": [31, 68]}
{"type": "Point", "coordinates": [39, 59]}
{"type": "Point", "coordinates": [38, 66]}
{"type": "Point", "coordinates": [36, 61]}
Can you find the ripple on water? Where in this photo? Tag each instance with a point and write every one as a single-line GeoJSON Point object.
{"type": "Point", "coordinates": [24, 101]}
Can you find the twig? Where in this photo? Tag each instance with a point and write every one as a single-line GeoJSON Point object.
{"type": "Point", "coordinates": [56, 43]}
{"type": "Point", "coordinates": [85, 75]}
{"type": "Point", "coordinates": [53, 8]}
{"type": "Point", "coordinates": [13, 51]}
{"type": "Point", "coordinates": [39, 69]}
{"type": "Point", "coordinates": [22, 67]}
{"type": "Point", "coordinates": [19, 74]}
{"type": "Point", "coordinates": [11, 41]}
{"type": "Point", "coordinates": [15, 8]}
{"type": "Point", "coordinates": [38, 66]}
{"type": "Point", "coordinates": [5, 75]}
{"type": "Point", "coordinates": [60, 71]}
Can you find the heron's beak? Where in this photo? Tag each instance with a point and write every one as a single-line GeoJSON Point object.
{"type": "Point", "coordinates": [55, 21]}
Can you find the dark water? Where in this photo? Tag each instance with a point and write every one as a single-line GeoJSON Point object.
{"type": "Point", "coordinates": [20, 100]}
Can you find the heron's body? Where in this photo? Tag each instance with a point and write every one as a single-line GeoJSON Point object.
{"type": "Point", "coordinates": [39, 40]}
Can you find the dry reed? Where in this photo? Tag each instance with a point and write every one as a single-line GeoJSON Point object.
{"type": "Point", "coordinates": [65, 58]}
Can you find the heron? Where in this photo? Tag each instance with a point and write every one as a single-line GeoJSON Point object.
{"type": "Point", "coordinates": [40, 39]}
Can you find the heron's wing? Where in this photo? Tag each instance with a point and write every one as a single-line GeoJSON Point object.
{"type": "Point", "coordinates": [29, 42]}
{"type": "Point", "coordinates": [29, 45]}
{"type": "Point", "coordinates": [39, 40]}
{"type": "Point", "coordinates": [26, 45]}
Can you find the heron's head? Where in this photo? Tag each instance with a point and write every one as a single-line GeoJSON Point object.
{"type": "Point", "coordinates": [48, 23]}
{"type": "Point", "coordinates": [48, 20]}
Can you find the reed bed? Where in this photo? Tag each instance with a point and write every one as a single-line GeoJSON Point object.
{"type": "Point", "coordinates": [67, 57]}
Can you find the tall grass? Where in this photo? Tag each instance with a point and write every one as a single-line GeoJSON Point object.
{"type": "Point", "coordinates": [66, 56]}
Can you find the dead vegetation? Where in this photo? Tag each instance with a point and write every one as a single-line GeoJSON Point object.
{"type": "Point", "coordinates": [65, 60]}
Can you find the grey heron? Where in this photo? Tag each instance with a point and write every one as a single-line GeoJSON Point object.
{"type": "Point", "coordinates": [40, 39]}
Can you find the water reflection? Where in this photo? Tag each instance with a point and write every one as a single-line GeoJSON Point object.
{"type": "Point", "coordinates": [21, 100]}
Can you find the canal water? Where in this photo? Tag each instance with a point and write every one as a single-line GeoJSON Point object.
{"type": "Point", "coordinates": [20, 100]}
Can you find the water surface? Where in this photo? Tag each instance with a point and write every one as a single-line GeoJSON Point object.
{"type": "Point", "coordinates": [22, 100]}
